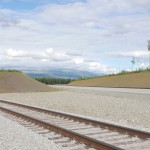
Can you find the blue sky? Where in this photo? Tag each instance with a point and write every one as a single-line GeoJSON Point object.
{"type": "Point", "coordinates": [92, 35]}
{"type": "Point", "coordinates": [32, 4]}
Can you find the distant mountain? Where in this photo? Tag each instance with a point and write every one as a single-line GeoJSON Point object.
{"type": "Point", "coordinates": [60, 73]}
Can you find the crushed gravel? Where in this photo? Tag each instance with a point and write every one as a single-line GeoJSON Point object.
{"type": "Point", "coordinates": [123, 108]}
{"type": "Point", "coordinates": [14, 136]}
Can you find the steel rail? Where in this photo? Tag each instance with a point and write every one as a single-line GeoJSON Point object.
{"type": "Point", "coordinates": [112, 127]}
{"type": "Point", "coordinates": [99, 145]}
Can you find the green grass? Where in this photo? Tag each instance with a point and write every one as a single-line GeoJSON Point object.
{"type": "Point", "coordinates": [9, 70]}
{"type": "Point", "coordinates": [123, 72]}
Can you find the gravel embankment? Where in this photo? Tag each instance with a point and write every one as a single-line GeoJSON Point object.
{"type": "Point", "coordinates": [123, 108]}
{"type": "Point", "coordinates": [129, 80]}
{"type": "Point", "coordinates": [13, 136]}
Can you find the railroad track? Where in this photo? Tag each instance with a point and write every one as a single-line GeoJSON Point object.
{"type": "Point", "coordinates": [75, 132]}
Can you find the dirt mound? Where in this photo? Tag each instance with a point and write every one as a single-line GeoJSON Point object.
{"type": "Point", "coordinates": [19, 82]}
{"type": "Point", "coordinates": [133, 80]}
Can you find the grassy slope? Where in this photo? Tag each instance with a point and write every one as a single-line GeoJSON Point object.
{"type": "Point", "coordinates": [19, 82]}
{"type": "Point", "coordinates": [136, 80]}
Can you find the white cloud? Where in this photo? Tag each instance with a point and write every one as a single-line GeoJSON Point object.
{"type": "Point", "coordinates": [15, 53]}
{"type": "Point", "coordinates": [50, 51]}
{"type": "Point", "coordinates": [48, 58]}
{"type": "Point", "coordinates": [53, 33]}
{"type": "Point", "coordinates": [136, 54]}
{"type": "Point", "coordinates": [141, 3]}
{"type": "Point", "coordinates": [56, 55]}
{"type": "Point", "coordinates": [78, 60]}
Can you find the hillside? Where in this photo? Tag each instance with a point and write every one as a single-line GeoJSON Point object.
{"type": "Point", "coordinates": [19, 82]}
{"type": "Point", "coordinates": [133, 80]}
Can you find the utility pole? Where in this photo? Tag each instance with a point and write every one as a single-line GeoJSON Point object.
{"type": "Point", "coordinates": [149, 51]}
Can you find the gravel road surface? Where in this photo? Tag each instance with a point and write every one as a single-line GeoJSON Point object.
{"type": "Point", "coordinates": [120, 90]}
{"type": "Point", "coordinates": [14, 136]}
{"type": "Point", "coordinates": [120, 107]}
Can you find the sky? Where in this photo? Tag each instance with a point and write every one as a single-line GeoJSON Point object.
{"type": "Point", "coordinates": [101, 36]}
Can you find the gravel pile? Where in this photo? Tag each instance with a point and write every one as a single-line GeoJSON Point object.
{"type": "Point", "coordinates": [13, 136]}
{"type": "Point", "coordinates": [123, 108]}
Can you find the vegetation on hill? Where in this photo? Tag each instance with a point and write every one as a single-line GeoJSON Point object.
{"type": "Point", "coordinates": [9, 70]}
{"type": "Point", "coordinates": [129, 72]}
{"type": "Point", "coordinates": [134, 79]}
{"type": "Point", "coordinates": [52, 81]}
{"type": "Point", "coordinates": [123, 72]}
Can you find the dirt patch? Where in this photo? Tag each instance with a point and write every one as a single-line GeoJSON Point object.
{"type": "Point", "coordinates": [134, 80]}
{"type": "Point", "coordinates": [19, 82]}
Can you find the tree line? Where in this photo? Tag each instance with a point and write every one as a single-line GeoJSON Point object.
{"type": "Point", "coordinates": [52, 81]}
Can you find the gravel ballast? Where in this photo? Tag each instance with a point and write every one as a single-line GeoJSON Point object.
{"type": "Point", "coordinates": [14, 136]}
{"type": "Point", "coordinates": [123, 108]}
